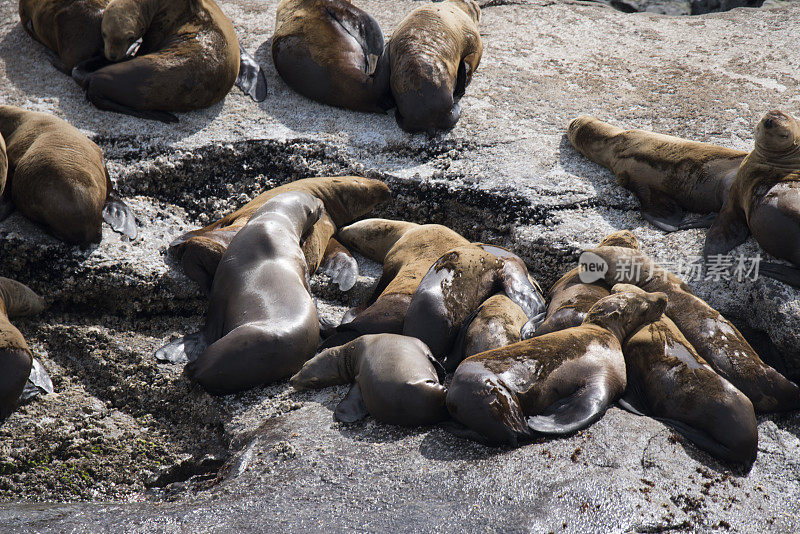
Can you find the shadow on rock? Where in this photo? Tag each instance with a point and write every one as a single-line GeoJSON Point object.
{"type": "Point", "coordinates": [441, 445]}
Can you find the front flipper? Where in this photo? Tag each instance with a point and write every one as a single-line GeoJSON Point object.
{"type": "Point", "coordinates": [339, 265]}
{"type": "Point", "coordinates": [728, 231]}
{"type": "Point", "coordinates": [251, 79]}
{"type": "Point", "coordinates": [83, 70]}
{"type": "Point", "coordinates": [119, 216]}
{"type": "Point", "coordinates": [39, 383]}
{"type": "Point", "coordinates": [352, 407]}
{"type": "Point", "coordinates": [183, 350]}
{"type": "Point", "coordinates": [783, 273]}
{"type": "Point", "coordinates": [573, 413]}
{"type": "Point", "coordinates": [105, 104]}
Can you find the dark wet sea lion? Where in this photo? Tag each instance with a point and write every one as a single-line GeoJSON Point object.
{"type": "Point", "coordinates": [57, 177]}
{"type": "Point", "coordinates": [189, 58]}
{"type": "Point", "coordinates": [345, 198]}
{"type": "Point", "coordinates": [328, 51]}
{"type": "Point", "coordinates": [407, 251]}
{"type": "Point", "coordinates": [669, 381]}
{"type": "Point", "coordinates": [395, 379]}
{"type": "Point", "coordinates": [765, 199]}
{"type": "Point", "coordinates": [557, 383]}
{"type": "Point", "coordinates": [433, 54]}
{"type": "Point", "coordinates": [715, 338]}
{"type": "Point", "coordinates": [70, 29]}
{"type": "Point", "coordinates": [667, 174]}
{"type": "Point", "coordinates": [570, 298]}
{"type": "Point", "coordinates": [456, 285]}
{"type": "Point", "coordinates": [262, 322]}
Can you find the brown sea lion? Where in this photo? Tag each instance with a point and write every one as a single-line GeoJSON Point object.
{"type": "Point", "coordinates": [715, 338]}
{"type": "Point", "coordinates": [456, 285]}
{"type": "Point", "coordinates": [497, 323]}
{"type": "Point", "coordinates": [667, 174]}
{"type": "Point", "coordinates": [70, 29]}
{"type": "Point", "coordinates": [557, 383]}
{"type": "Point", "coordinates": [345, 198]}
{"type": "Point", "coordinates": [669, 381]}
{"type": "Point", "coordinates": [57, 177]}
{"type": "Point", "coordinates": [570, 298]}
{"type": "Point", "coordinates": [328, 51]}
{"type": "Point", "coordinates": [765, 199]}
{"type": "Point", "coordinates": [16, 358]}
{"type": "Point", "coordinates": [262, 322]}
{"type": "Point", "coordinates": [433, 54]}
{"type": "Point", "coordinates": [395, 379]}
{"type": "Point", "coordinates": [189, 58]}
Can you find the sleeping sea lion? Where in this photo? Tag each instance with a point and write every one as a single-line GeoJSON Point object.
{"type": "Point", "coordinates": [345, 198]}
{"type": "Point", "coordinates": [262, 322]}
{"type": "Point", "coordinates": [57, 177]}
{"type": "Point", "coordinates": [669, 381]}
{"type": "Point", "coordinates": [328, 51]}
{"type": "Point", "coordinates": [189, 58]}
{"type": "Point", "coordinates": [765, 199]}
{"type": "Point", "coordinates": [557, 383]}
{"type": "Point", "coordinates": [395, 379]}
{"type": "Point", "coordinates": [433, 54]}
{"type": "Point", "coordinates": [70, 29]}
{"type": "Point", "coordinates": [667, 174]}
{"type": "Point", "coordinates": [715, 338]}
{"type": "Point", "coordinates": [497, 323]}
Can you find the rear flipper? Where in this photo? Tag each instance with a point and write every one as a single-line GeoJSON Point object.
{"type": "Point", "coordinates": [39, 383]}
{"type": "Point", "coordinates": [787, 274]}
{"type": "Point", "coordinates": [119, 216]}
{"type": "Point", "coordinates": [573, 413]}
{"type": "Point", "coordinates": [251, 79]}
{"type": "Point", "coordinates": [339, 265]}
{"type": "Point", "coordinates": [680, 221]}
{"type": "Point", "coordinates": [352, 407]}
{"type": "Point", "coordinates": [185, 349]}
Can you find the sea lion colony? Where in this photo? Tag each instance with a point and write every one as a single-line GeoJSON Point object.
{"type": "Point", "coordinates": [521, 369]}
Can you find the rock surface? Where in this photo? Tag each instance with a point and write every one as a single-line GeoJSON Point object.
{"type": "Point", "coordinates": [123, 428]}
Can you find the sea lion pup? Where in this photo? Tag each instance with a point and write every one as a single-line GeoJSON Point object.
{"type": "Point", "coordinates": [570, 298]}
{"type": "Point", "coordinates": [346, 198]}
{"type": "Point", "coordinates": [765, 199]}
{"type": "Point", "coordinates": [667, 174]}
{"type": "Point", "coordinates": [715, 338]}
{"type": "Point", "coordinates": [395, 379]}
{"type": "Point", "coordinates": [262, 323]}
{"type": "Point", "coordinates": [669, 381]}
{"type": "Point", "coordinates": [456, 285]}
{"type": "Point", "coordinates": [57, 177]}
{"type": "Point", "coordinates": [189, 58]}
{"type": "Point", "coordinates": [20, 380]}
{"type": "Point", "coordinates": [328, 50]}
{"type": "Point", "coordinates": [433, 53]}
{"type": "Point", "coordinates": [557, 383]}
{"type": "Point", "coordinates": [69, 29]}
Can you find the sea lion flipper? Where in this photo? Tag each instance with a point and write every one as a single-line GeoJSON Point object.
{"type": "Point", "coordinates": [80, 72]}
{"type": "Point", "coordinates": [783, 273]}
{"type": "Point", "coordinates": [703, 440]}
{"type": "Point", "coordinates": [39, 383]}
{"type": "Point", "coordinates": [728, 231]}
{"type": "Point", "coordinates": [105, 104]}
{"type": "Point", "coordinates": [519, 289]}
{"type": "Point", "coordinates": [530, 328]}
{"type": "Point", "coordinates": [251, 79]}
{"type": "Point", "coordinates": [575, 412]}
{"type": "Point", "coordinates": [352, 407]}
{"type": "Point", "coordinates": [184, 349]}
{"type": "Point", "coordinates": [339, 265]}
{"type": "Point", "coordinates": [631, 403]}
{"type": "Point", "coordinates": [120, 217]}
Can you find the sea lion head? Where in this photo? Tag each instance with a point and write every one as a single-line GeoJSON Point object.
{"type": "Point", "coordinates": [374, 237]}
{"type": "Point", "coordinates": [121, 27]}
{"type": "Point", "coordinates": [622, 238]}
{"type": "Point", "coordinates": [355, 196]}
{"type": "Point", "coordinates": [590, 136]}
{"type": "Point", "coordinates": [627, 309]}
{"type": "Point", "coordinates": [778, 133]}
{"type": "Point", "coordinates": [470, 7]}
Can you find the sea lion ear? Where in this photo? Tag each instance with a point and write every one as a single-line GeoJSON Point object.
{"type": "Point", "coordinates": [352, 407]}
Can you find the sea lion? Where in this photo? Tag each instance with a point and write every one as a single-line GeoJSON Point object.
{"type": "Point", "coordinates": [328, 51]}
{"type": "Point", "coordinates": [189, 58]}
{"type": "Point", "coordinates": [715, 338]}
{"type": "Point", "coordinates": [667, 174]}
{"type": "Point", "coordinates": [765, 199]}
{"type": "Point", "coordinates": [395, 379]}
{"type": "Point", "coordinates": [5, 206]}
{"type": "Point", "coordinates": [433, 54]}
{"type": "Point", "coordinates": [496, 323]}
{"type": "Point", "coordinates": [669, 381]}
{"type": "Point", "coordinates": [557, 383]}
{"type": "Point", "coordinates": [69, 29]}
{"type": "Point", "coordinates": [570, 298]}
{"type": "Point", "coordinates": [57, 177]}
{"type": "Point", "coordinates": [262, 323]}
{"type": "Point", "coordinates": [345, 198]}
{"type": "Point", "coordinates": [456, 285]}
{"type": "Point", "coordinates": [19, 380]}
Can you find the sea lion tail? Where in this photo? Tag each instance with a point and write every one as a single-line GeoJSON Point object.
{"type": "Point", "coordinates": [251, 79]}
{"type": "Point", "coordinates": [39, 383]}
{"type": "Point", "coordinates": [185, 349]}
{"type": "Point", "coordinates": [119, 216]}
{"type": "Point", "coordinates": [19, 299]}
